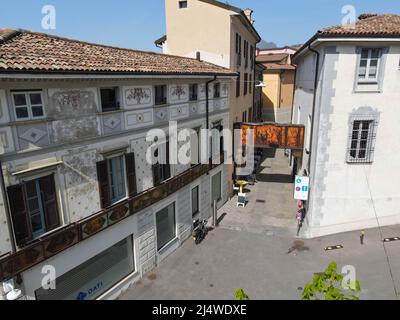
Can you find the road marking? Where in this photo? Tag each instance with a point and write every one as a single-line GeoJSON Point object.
{"type": "Point", "coordinates": [391, 239]}
{"type": "Point", "coordinates": [334, 247]}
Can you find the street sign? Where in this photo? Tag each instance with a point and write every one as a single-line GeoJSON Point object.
{"type": "Point", "coordinates": [301, 188]}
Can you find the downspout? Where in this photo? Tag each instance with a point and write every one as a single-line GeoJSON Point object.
{"type": "Point", "coordinates": [208, 118]}
{"type": "Point", "coordinates": [314, 104]}
{"type": "Point", "coordinates": [253, 90]}
{"type": "Point", "coordinates": [294, 91]}
{"type": "Point", "coordinates": [7, 210]}
{"type": "Point", "coordinates": [280, 90]}
{"type": "Point", "coordinates": [312, 118]}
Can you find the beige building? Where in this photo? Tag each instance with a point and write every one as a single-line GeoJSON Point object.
{"type": "Point", "coordinates": [279, 78]}
{"type": "Point", "coordinates": [221, 34]}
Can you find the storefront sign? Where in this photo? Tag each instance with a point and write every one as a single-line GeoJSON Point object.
{"type": "Point", "coordinates": [301, 188]}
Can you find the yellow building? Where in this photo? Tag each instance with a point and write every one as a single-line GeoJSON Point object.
{"type": "Point", "coordinates": [221, 34]}
{"type": "Point", "coordinates": [279, 78]}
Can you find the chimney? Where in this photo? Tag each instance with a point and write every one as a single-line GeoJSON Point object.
{"type": "Point", "coordinates": [366, 16]}
{"type": "Point", "coordinates": [198, 56]}
{"type": "Point", "coordinates": [248, 13]}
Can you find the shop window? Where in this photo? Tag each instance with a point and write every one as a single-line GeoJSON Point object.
{"type": "Point", "coordinates": [216, 187]}
{"type": "Point", "coordinates": [94, 277]}
{"type": "Point", "coordinates": [166, 226]}
{"type": "Point", "coordinates": [195, 201]}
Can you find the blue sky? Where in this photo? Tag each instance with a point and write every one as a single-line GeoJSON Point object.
{"type": "Point", "coordinates": [137, 23]}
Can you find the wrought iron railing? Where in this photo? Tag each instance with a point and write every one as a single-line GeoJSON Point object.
{"type": "Point", "coordinates": [62, 239]}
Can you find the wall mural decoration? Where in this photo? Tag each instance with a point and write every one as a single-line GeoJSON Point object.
{"type": "Point", "coordinates": [179, 93]}
{"type": "Point", "coordinates": [33, 135]}
{"type": "Point", "coordinates": [179, 112]}
{"type": "Point", "coordinates": [72, 99]}
{"type": "Point", "coordinates": [112, 122]}
{"type": "Point", "coordinates": [162, 114]}
{"type": "Point", "coordinates": [138, 96]}
{"type": "Point", "coordinates": [71, 103]}
{"type": "Point", "coordinates": [193, 108]}
{"type": "Point", "coordinates": [138, 119]}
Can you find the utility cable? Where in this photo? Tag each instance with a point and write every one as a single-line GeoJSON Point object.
{"type": "Point", "coordinates": [381, 234]}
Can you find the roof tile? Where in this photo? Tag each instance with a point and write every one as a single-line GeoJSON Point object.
{"type": "Point", "coordinates": [368, 24]}
{"type": "Point", "coordinates": [31, 51]}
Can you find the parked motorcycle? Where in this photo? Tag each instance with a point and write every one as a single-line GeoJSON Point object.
{"type": "Point", "coordinates": [199, 230]}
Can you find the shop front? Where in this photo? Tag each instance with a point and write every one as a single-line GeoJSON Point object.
{"type": "Point", "coordinates": [94, 277]}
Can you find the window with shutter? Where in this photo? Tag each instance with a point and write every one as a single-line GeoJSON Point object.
{"type": "Point", "coordinates": [34, 209]}
{"type": "Point", "coordinates": [112, 179]}
{"type": "Point", "coordinates": [131, 174]}
{"type": "Point", "coordinates": [49, 198]}
{"type": "Point", "coordinates": [104, 187]}
{"type": "Point", "coordinates": [162, 169]}
{"type": "Point", "coordinates": [20, 215]}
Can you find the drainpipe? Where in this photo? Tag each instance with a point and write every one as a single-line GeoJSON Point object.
{"type": "Point", "coordinates": [7, 210]}
{"type": "Point", "coordinates": [312, 117]}
{"type": "Point", "coordinates": [294, 91]}
{"type": "Point", "coordinates": [314, 104]}
{"type": "Point", "coordinates": [207, 115]}
{"type": "Point", "coordinates": [253, 90]}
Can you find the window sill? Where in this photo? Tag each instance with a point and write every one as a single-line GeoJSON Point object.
{"type": "Point", "coordinates": [164, 104]}
{"type": "Point", "coordinates": [169, 248]}
{"type": "Point", "coordinates": [109, 112]}
{"type": "Point", "coordinates": [372, 82]}
{"type": "Point", "coordinates": [113, 204]}
{"type": "Point", "coordinates": [367, 91]}
{"type": "Point", "coordinates": [29, 121]}
{"type": "Point", "coordinates": [43, 236]}
{"type": "Point", "coordinates": [361, 162]}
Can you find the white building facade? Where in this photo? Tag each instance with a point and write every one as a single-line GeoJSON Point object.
{"type": "Point", "coordinates": [351, 114]}
{"type": "Point", "coordinates": [79, 195]}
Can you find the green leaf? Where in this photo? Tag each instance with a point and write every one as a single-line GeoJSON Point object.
{"type": "Point", "coordinates": [241, 295]}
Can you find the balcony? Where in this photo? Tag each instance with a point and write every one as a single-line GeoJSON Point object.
{"type": "Point", "coordinates": [62, 239]}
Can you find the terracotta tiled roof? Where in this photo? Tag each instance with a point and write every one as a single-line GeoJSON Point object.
{"type": "Point", "coordinates": [273, 57]}
{"type": "Point", "coordinates": [368, 25]}
{"type": "Point", "coordinates": [31, 51]}
{"type": "Point", "coordinates": [275, 66]}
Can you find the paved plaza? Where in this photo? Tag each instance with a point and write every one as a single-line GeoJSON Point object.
{"type": "Point", "coordinates": [271, 208]}
{"type": "Point", "coordinates": [256, 248]}
{"type": "Point", "coordinates": [261, 264]}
